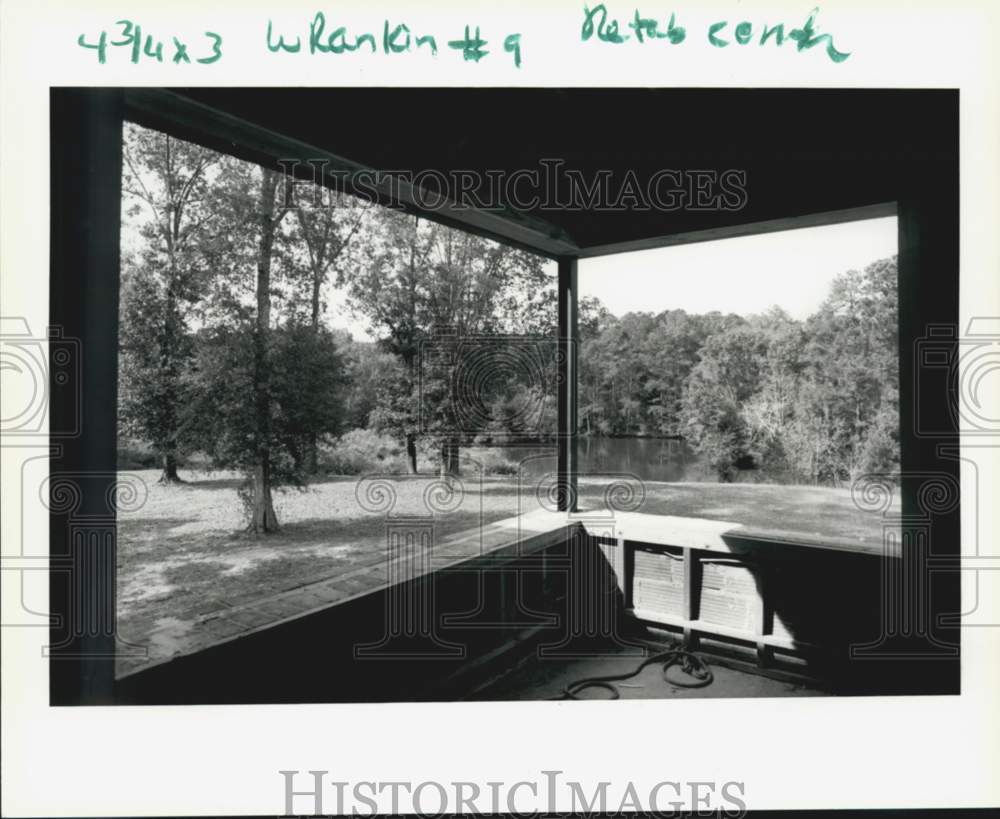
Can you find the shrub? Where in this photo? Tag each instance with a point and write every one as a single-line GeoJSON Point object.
{"type": "Point", "coordinates": [362, 451]}
{"type": "Point", "coordinates": [136, 454]}
{"type": "Point", "coordinates": [493, 461]}
{"type": "Point", "coordinates": [365, 451]}
{"type": "Point", "coordinates": [880, 450]}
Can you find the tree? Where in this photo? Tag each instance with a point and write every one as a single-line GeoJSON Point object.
{"type": "Point", "coordinates": [724, 379]}
{"type": "Point", "coordinates": [851, 376]}
{"type": "Point", "coordinates": [309, 390]}
{"type": "Point", "coordinates": [170, 208]}
{"type": "Point", "coordinates": [769, 413]}
{"type": "Point", "coordinates": [633, 370]}
{"type": "Point", "coordinates": [813, 400]}
{"type": "Point", "coordinates": [253, 257]}
{"type": "Point", "coordinates": [423, 285]}
{"type": "Point", "coordinates": [268, 215]}
{"type": "Point", "coordinates": [325, 223]}
{"type": "Point", "coordinates": [306, 398]}
{"type": "Point", "coordinates": [370, 371]}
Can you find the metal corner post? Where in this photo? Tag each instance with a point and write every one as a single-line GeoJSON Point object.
{"type": "Point", "coordinates": [567, 383]}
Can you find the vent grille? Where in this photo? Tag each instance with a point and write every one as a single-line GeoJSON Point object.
{"type": "Point", "coordinates": [658, 582]}
{"type": "Point", "coordinates": [729, 597]}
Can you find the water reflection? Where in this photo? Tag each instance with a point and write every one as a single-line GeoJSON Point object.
{"type": "Point", "coordinates": [652, 459]}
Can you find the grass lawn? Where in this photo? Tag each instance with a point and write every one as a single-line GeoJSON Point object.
{"type": "Point", "coordinates": [183, 554]}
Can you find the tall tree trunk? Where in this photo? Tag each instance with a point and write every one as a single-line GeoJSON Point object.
{"type": "Point", "coordinates": [411, 452]}
{"type": "Point", "coordinates": [169, 366]}
{"type": "Point", "coordinates": [312, 444]}
{"type": "Point", "coordinates": [324, 244]}
{"type": "Point", "coordinates": [169, 474]}
{"type": "Point", "coordinates": [263, 518]}
{"type": "Point", "coordinates": [449, 458]}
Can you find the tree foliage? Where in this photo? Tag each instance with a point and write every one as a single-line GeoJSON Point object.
{"type": "Point", "coordinates": [170, 208]}
{"type": "Point", "coordinates": [425, 289]}
{"type": "Point", "coordinates": [226, 347]}
{"type": "Point", "coordinates": [307, 373]}
{"type": "Point", "coordinates": [814, 400]}
{"type": "Point", "coordinates": [217, 353]}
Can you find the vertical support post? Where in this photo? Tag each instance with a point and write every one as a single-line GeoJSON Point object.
{"type": "Point", "coordinates": [763, 617]}
{"type": "Point", "coordinates": [86, 168]}
{"type": "Point", "coordinates": [692, 592]}
{"type": "Point", "coordinates": [567, 403]}
{"type": "Point", "coordinates": [621, 577]}
{"type": "Point", "coordinates": [928, 265]}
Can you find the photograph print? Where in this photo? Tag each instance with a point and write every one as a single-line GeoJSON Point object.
{"type": "Point", "coordinates": [605, 394]}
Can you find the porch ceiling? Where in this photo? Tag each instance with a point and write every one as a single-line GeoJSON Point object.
{"type": "Point", "coordinates": [804, 152]}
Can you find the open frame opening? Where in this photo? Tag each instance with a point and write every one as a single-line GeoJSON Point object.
{"type": "Point", "coordinates": [85, 264]}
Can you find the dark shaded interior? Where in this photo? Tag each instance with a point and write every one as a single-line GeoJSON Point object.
{"type": "Point", "coordinates": [803, 152]}
{"type": "Point", "coordinates": [524, 627]}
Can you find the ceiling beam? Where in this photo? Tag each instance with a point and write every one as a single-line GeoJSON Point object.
{"type": "Point", "coordinates": [173, 113]}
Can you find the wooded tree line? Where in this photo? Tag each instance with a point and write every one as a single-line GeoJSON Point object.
{"type": "Point", "coordinates": [224, 345]}
{"type": "Point", "coordinates": [226, 349]}
{"type": "Point", "coordinates": [811, 401]}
